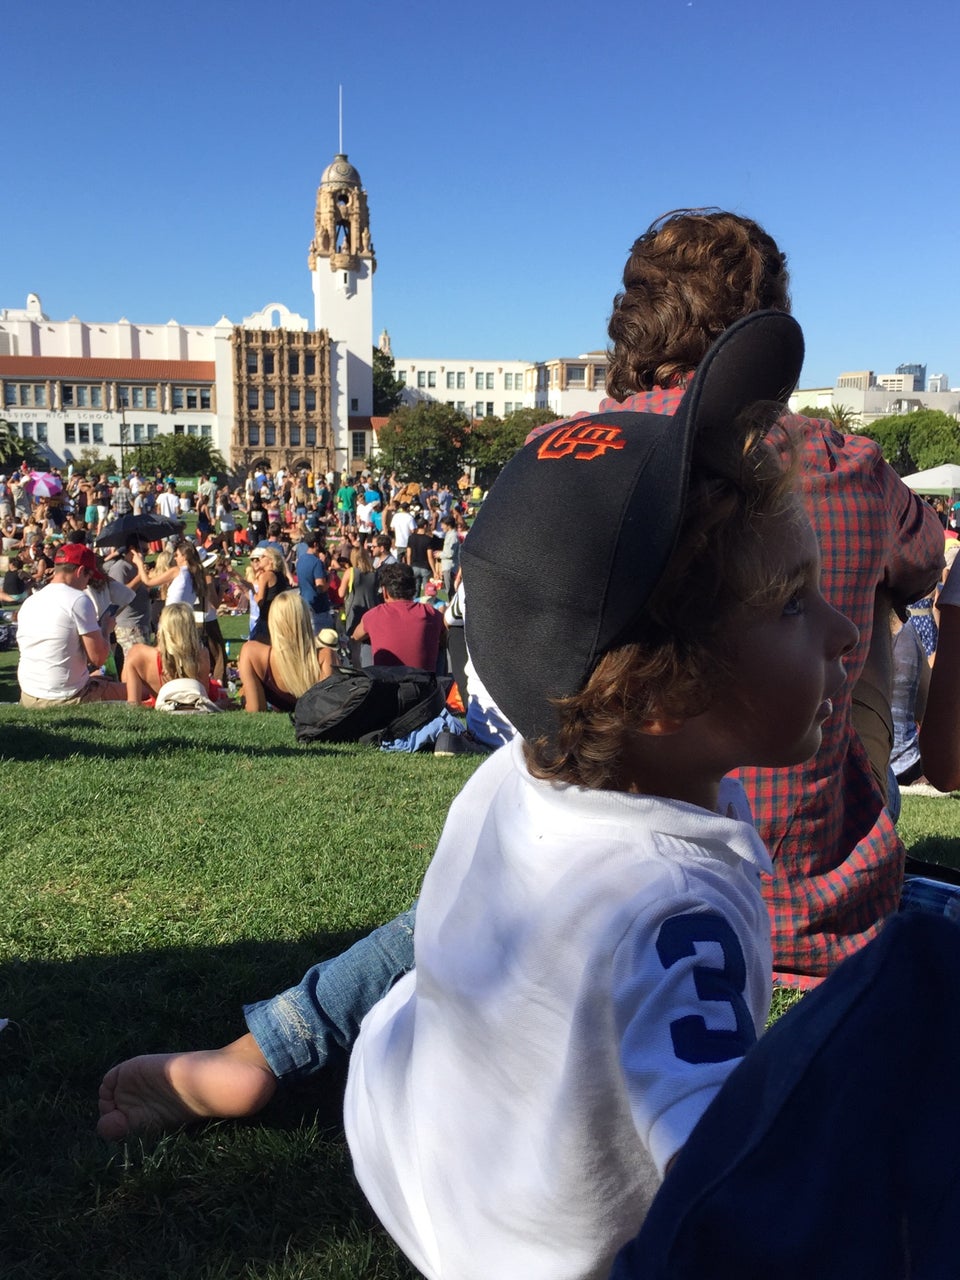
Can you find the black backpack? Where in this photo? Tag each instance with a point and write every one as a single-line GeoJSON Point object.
{"type": "Point", "coordinates": [371, 706]}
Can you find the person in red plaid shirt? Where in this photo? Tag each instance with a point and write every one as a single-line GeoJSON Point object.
{"type": "Point", "coordinates": [838, 861]}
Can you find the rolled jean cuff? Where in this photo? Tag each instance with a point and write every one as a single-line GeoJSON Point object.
{"type": "Point", "coordinates": [303, 1028]}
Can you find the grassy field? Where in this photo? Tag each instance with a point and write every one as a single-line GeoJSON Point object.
{"type": "Point", "coordinates": [157, 872]}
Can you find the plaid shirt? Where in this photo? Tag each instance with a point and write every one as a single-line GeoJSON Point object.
{"type": "Point", "coordinates": [122, 500]}
{"type": "Point", "coordinates": [837, 858]}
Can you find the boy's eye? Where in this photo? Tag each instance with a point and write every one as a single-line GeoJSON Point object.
{"type": "Point", "coordinates": [795, 605]}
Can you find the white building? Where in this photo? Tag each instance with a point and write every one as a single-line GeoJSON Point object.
{"type": "Point", "coordinates": [482, 388]}
{"type": "Point", "coordinates": [269, 390]}
{"type": "Point", "coordinates": [73, 384]}
{"type": "Point", "coordinates": [869, 396]}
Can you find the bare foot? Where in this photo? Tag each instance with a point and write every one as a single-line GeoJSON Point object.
{"type": "Point", "coordinates": [165, 1090]}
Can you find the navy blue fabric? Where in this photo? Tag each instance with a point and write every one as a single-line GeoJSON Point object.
{"type": "Point", "coordinates": [832, 1150]}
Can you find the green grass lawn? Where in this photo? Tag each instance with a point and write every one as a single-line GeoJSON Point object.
{"type": "Point", "coordinates": [158, 872]}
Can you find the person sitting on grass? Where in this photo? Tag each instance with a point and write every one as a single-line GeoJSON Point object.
{"type": "Point", "coordinates": [276, 674]}
{"type": "Point", "coordinates": [401, 632]}
{"type": "Point", "coordinates": [60, 637]}
{"type": "Point", "coordinates": [178, 655]}
{"type": "Point", "coordinates": [585, 862]}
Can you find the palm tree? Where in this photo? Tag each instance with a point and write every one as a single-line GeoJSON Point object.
{"type": "Point", "coordinates": [14, 450]}
{"type": "Point", "coordinates": [842, 417]}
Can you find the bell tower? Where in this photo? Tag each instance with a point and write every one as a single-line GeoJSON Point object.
{"type": "Point", "coordinates": [342, 263]}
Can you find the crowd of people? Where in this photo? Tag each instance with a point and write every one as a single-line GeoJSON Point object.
{"type": "Point", "coordinates": [305, 569]}
{"type": "Point", "coordinates": [558, 1064]}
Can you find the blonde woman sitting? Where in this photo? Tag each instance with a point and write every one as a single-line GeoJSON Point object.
{"type": "Point", "coordinates": [276, 674]}
{"type": "Point", "coordinates": [178, 655]}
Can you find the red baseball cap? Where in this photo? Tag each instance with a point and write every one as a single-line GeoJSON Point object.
{"type": "Point", "coordinates": [76, 554]}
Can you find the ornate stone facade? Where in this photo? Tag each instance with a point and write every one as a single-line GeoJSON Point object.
{"type": "Point", "coordinates": [342, 220]}
{"type": "Point", "coordinates": [282, 390]}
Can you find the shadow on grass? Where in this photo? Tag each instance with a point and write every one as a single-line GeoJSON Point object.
{"type": "Point", "coordinates": [937, 856]}
{"type": "Point", "coordinates": [64, 735]}
{"type": "Point", "coordinates": [216, 1200]}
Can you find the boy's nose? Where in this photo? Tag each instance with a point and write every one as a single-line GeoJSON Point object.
{"type": "Point", "coordinates": [846, 633]}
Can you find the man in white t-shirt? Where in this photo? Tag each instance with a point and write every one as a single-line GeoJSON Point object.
{"type": "Point", "coordinates": [401, 527]}
{"type": "Point", "coordinates": [59, 634]}
{"type": "Point", "coordinates": [168, 504]}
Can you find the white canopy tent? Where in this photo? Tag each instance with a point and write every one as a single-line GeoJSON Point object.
{"type": "Point", "coordinates": [944, 479]}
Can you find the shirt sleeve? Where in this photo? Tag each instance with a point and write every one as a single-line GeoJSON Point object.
{"type": "Point", "coordinates": [689, 1000]}
{"type": "Point", "coordinates": [85, 615]}
{"type": "Point", "coordinates": [916, 557]}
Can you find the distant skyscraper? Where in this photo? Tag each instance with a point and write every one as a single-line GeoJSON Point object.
{"type": "Point", "coordinates": [919, 372]}
{"type": "Point", "coordinates": [938, 382]}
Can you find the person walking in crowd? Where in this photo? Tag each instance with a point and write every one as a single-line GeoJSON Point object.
{"type": "Point", "coordinates": [449, 554]}
{"type": "Point", "coordinates": [420, 555]}
{"type": "Point", "coordinates": [312, 582]}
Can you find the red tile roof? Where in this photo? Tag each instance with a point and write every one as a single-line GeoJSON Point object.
{"type": "Point", "coordinates": [361, 422]}
{"type": "Point", "coordinates": [84, 369]}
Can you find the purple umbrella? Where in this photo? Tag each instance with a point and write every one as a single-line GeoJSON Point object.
{"type": "Point", "coordinates": [41, 484]}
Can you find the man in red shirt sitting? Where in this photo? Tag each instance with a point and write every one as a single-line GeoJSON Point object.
{"type": "Point", "coordinates": [401, 632]}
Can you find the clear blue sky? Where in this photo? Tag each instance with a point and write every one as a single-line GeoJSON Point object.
{"type": "Point", "coordinates": [162, 160]}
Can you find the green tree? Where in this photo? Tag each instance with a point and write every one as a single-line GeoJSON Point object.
{"type": "Point", "coordinates": [14, 449]}
{"type": "Point", "coordinates": [915, 441]}
{"type": "Point", "coordinates": [423, 442]}
{"type": "Point", "coordinates": [893, 437]}
{"type": "Point", "coordinates": [934, 438]}
{"type": "Point", "coordinates": [492, 442]}
{"type": "Point", "coordinates": [93, 462]}
{"type": "Point", "coordinates": [841, 415]}
{"type": "Point", "coordinates": [178, 456]}
{"type": "Point", "coordinates": [387, 388]}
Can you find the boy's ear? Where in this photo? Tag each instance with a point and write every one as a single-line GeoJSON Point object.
{"type": "Point", "coordinates": [661, 725]}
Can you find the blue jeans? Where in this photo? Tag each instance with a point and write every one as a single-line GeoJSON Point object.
{"type": "Point", "coordinates": [299, 1030]}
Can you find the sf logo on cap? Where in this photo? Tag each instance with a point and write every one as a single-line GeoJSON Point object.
{"type": "Point", "coordinates": [582, 440]}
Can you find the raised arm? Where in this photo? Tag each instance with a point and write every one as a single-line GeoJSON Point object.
{"type": "Point", "coordinates": [153, 577]}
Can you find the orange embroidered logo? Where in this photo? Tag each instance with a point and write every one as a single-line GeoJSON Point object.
{"type": "Point", "coordinates": [584, 441]}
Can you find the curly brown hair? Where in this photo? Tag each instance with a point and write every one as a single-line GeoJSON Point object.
{"type": "Point", "coordinates": [684, 647]}
{"type": "Point", "coordinates": [689, 276]}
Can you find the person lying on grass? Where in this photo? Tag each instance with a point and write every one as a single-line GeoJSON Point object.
{"type": "Point", "coordinates": [592, 947]}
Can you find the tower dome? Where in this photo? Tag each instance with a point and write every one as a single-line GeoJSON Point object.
{"type": "Point", "coordinates": [340, 173]}
{"type": "Point", "coordinates": [342, 220]}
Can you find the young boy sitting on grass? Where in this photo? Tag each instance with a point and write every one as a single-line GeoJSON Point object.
{"type": "Point", "coordinates": [592, 948]}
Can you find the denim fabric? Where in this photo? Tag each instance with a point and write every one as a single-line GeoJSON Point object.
{"type": "Point", "coordinates": [299, 1030]}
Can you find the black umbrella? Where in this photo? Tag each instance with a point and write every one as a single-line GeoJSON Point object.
{"type": "Point", "coordinates": [148, 528]}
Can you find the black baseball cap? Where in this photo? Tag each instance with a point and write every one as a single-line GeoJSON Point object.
{"type": "Point", "coordinates": [577, 530]}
